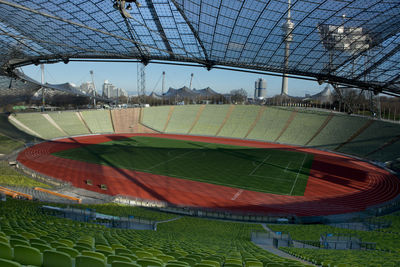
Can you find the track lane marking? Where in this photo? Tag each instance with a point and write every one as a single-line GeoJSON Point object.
{"type": "Point", "coordinates": [238, 193]}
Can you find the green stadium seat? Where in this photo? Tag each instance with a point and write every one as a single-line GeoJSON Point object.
{"type": "Point", "coordinates": [143, 254]}
{"type": "Point", "coordinates": [253, 264]}
{"type": "Point", "coordinates": [174, 254]}
{"type": "Point", "coordinates": [133, 257]}
{"type": "Point", "coordinates": [174, 265]}
{"type": "Point", "coordinates": [56, 258]}
{"type": "Point", "coordinates": [204, 265]}
{"type": "Point", "coordinates": [70, 251]}
{"type": "Point", "coordinates": [211, 262]}
{"type": "Point", "coordinates": [124, 264]}
{"type": "Point", "coordinates": [274, 264]}
{"type": "Point", "coordinates": [56, 244]}
{"type": "Point", "coordinates": [94, 254]}
{"type": "Point", "coordinates": [105, 252]}
{"type": "Point", "coordinates": [115, 246]}
{"type": "Point", "coordinates": [112, 258]}
{"type": "Point", "coordinates": [66, 242]}
{"type": "Point", "coordinates": [6, 251]}
{"type": "Point", "coordinates": [149, 262]}
{"type": "Point", "coordinates": [180, 263]}
{"type": "Point", "coordinates": [18, 242]}
{"type": "Point", "coordinates": [9, 232]}
{"type": "Point", "coordinates": [8, 263]}
{"type": "Point", "coordinates": [104, 248]}
{"type": "Point", "coordinates": [85, 261]}
{"type": "Point", "coordinates": [84, 244]}
{"type": "Point", "coordinates": [122, 250]}
{"type": "Point", "coordinates": [233, 261]}
{"type": "Point", "coordinates": [232, 265]}
{"type": "Point", "coordinates": [80, 248]}
{"type": "Point", "coordinates": [190, 261]}
{"type": "Point", "coordinates": [28, 236]}
{"type": "Point", "coordinates": [19, 237]}
{"type": "Point", "coordinates": [41, 247]}
{"type": "Point", "coordinates": [27, 255]}
{"type": "Point", "coordinates": [48, 239]}
{"type": "Point", "coordinates": [4, 239]}
{"type": "Point", "coordinates": [165, 258]}
{"type": "Point", "coordinates": [37, 241]}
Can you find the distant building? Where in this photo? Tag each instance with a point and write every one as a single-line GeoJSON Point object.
{"type": "Point", "coordinates": [260, 89]}
{"type": "Point", "coordinates": [107, 89]}
{"type": "Point", "coordinates": [110, 91]}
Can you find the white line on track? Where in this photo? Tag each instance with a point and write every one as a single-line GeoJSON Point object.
{"type": "Point", "coordinates": [163, 162]}
{"type": "Point", "coordinates": [240, 191]}
{"type": "Point", "coordinates": [259, 165]}
{"type": "Point", "coordinates": [297, 176]}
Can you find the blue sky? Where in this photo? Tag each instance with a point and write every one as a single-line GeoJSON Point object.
{"type": "Point", "coordinates": [123, 75]}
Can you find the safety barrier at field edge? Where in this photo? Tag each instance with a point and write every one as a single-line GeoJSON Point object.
{"type": "Point", "coordinates": [58, 194]}
{"type": "Point", "coordinates": [204, 212]}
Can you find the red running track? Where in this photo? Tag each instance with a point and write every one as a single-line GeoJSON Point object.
{"type": "Point", "coordinates": [337, 184]}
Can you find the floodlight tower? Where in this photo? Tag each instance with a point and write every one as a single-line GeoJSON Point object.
{"type": "Point", "coordinates": [94, 89]}
{"type": "Point", "coordinates": [287, 28]}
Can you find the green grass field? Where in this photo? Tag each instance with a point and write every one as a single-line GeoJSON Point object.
{"type": "Point", "coordinates": [264, 170]}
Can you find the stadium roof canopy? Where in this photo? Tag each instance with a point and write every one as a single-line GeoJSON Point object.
{"type": "Point", "coordinates": [350, 42]}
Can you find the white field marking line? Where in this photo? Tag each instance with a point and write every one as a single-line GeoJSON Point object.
{"type": "Point", "coordinates": [213, 182]}
{"type": "Point", "coordinates": [168, 160]}
{"type": "Point", "coordinates": [270, 177]}
{"type": "Point", "coordinates": [297, 176]}
{"type": "Point", "coordinates": [287, 167]}
{"type": "Point", "coordinates": [259, 165]}
{"type": "Point", "coordinates": [237, 194]}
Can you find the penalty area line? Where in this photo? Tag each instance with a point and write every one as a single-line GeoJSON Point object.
{"type": "Point", "coordinates": [287, 166]}
{"type": "Point", "coordinates": [163, 162]}
{"type": "Point", "coordinates": [238, 193]}
{"type": "Point", "coordinates": [297, 176]}
{"type": "Point", "coordinates": [259, 165]}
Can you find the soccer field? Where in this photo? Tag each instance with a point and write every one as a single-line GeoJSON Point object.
{"type": "Point", "coordinates": [257, 169]}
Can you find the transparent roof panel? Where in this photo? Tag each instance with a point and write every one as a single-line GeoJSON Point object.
{"type": "Point", "coordinates": [350, 41]}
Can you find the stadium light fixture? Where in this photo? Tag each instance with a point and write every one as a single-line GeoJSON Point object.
{"type": "Point", "coordinates": [124, 5]}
